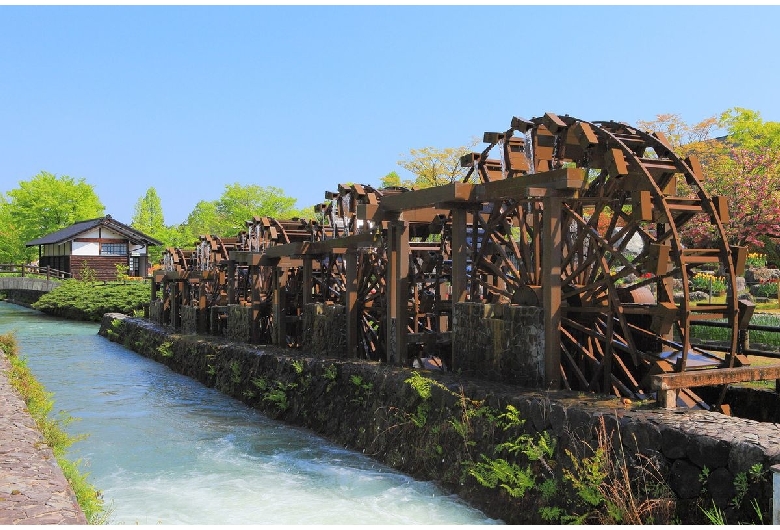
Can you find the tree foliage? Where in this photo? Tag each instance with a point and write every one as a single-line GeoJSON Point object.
{"type": "Point", "coordinates": [743, 166]}
{"type": "Point", "coordinates": [44, 204]}
{"type": "Point", "coordinates": [227, 216]}
{"type": "Point", "coordinates": [149, 219]}
{"type": "Point", "coordinates": [148, 215]}
{"type": "Point", "coordinates": [436, 167]}
{"type": "Point", "coordinates": [393, 180]}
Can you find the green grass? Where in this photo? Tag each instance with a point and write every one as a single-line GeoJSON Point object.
{"type": "Point", "coordinates": [39, 405]}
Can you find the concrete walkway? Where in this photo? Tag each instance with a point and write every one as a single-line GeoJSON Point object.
{"type": "Point", "coordinates": [33, 489]}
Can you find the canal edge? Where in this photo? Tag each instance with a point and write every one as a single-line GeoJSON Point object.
{"type": "Point", "coordinates": [33, 487]}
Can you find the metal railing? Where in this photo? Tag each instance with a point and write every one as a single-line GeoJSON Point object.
{"type": "Point", "coordinates": [33, 270]}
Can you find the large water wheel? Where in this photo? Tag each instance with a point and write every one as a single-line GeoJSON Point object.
{"type": "Point", "coordinates": [625, 310]}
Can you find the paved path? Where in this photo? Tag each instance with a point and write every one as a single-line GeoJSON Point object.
{"type": "Point", "coordinates": [33, 489]}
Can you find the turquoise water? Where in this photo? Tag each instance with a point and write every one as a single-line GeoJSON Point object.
{"type": "Point", "coordinates": [164, 449]}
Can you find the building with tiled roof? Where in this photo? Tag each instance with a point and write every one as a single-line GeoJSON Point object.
{"type": "Point", "coordinates": [97, 244]}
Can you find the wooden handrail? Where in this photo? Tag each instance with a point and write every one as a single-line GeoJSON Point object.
{"type": "Point", "coordinates": [23, 270]}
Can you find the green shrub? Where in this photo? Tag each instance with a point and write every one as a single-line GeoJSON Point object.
{"type": "Point", "coordinates": [81, 300]}
{"type": "Point", "coordinates": [767, 290]}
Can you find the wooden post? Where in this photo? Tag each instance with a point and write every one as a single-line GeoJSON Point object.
{"type": "Point", "coordinates": [398, 288]}
{"type": "Point", "coordinates": [308, 282]}
{"type": "Point", "coordinates": [175, 305]}
{"type": "Point", "coordinates": [350, 301]}
{"type": "Point", "coordinates": [459, 255]}
{"type": "Point", "coordinates": [459, 264]}
{"type": "Point", "coordinates": [231, 282]}
{"type": "Point", "coordinates": [278, 334]}
{"type": "Point", "coordinates": [552, 231]}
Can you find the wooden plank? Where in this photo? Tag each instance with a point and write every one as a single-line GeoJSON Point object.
{"type": "Point", "coordinates": [519, 187]}
{"type": "Point", "coordinates": [425, 215]}
{"type": "Point", "coordinates": [425, 198]}
{"type": "Point", "coordinates": [714, 376]}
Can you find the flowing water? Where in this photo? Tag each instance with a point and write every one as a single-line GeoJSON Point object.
{"type": "Point", "coordinates": [164, 449]}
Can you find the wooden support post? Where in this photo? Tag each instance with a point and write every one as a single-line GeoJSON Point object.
{"type": "Point", "coordinates": [231, 282]}
{"type": "Point", "coordinates": [552, 231]}
{"type": "Point", "coordinates": [398, 288]}
{"type": "Point", "coordinates": [175, 305]}
{"type": "Point", "coordinates": [459, 255]}
{"type": "Point", "coordinates": [459, 264]}
{"type": "Point", "coordinates": [307, 280]}
{"type": "Point", "coordinates": [254, 300]}
{"type": "Point", "coordinates": [166, 303]}
{"type": "Point", "coordinates": [443, 319]}
{"type": "Point", "coordinates": [278, 333]}
{"type": "Point", "coordinates": [350, 301]}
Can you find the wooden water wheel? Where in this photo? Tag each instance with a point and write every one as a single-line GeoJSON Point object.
{"type": "Point", "coordinates": [623, 271]}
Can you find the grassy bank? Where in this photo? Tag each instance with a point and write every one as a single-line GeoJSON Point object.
{"type": "Point", "coordinates": [39, 404]}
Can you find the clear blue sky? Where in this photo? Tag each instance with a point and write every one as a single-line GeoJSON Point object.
{"type": "Point", "coordinates": [189, 99]}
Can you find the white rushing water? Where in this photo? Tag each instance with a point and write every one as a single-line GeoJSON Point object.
{"type": "Point", "coordinates": [164, 449]}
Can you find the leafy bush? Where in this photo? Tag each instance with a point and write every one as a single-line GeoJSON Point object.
{"type": "Point", "coordinates": [81, 300]}
{"type": "Point", "coordinates": [767, 290]}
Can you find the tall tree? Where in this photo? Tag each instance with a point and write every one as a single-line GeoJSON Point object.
{"type": "Point", "coordinates": [148, 215]}
{"type": "Point", "coordinates": [44, 204]}
{"type": "Point", "coordinates": [227, 216]}
{"type": "Point", "coordinates": [149, 219]}
{"type": "Point", "coordinates": [239, 204]}
{"type": "Point", "coordinates": [436, 167]}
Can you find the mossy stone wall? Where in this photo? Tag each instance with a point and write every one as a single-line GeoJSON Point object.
{"type": "Point", "coordinates": [325, 330]}
{"type": "Point", "coordinates": [500, 343]}
{"type": "Point", "coordinates": [375, 408]}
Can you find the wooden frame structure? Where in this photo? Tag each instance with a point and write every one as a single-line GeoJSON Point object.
{"type": "Point", "coordinates": [583, 219]}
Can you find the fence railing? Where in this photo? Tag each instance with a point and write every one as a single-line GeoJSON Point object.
{"type": "Point", "coordinates": [33, 270]}
{"type": "Point", "coordinates": [743, 338]}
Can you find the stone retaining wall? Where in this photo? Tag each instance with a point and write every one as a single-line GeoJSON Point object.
{"type": "Point", "coordinates": [500, 343]}
{"type": "Point", "coordinates": [324, 330]}
{"type": "Point", "coordinates": [23, 297]}
{"type": "Point", "coordinates": [453, 426]}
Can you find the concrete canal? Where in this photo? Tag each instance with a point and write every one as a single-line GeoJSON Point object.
{"type": "Point", "coordinates": [165, 449]}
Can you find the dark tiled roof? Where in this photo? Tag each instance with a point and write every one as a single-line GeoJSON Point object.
{"type": "Point", "coordinates": [74, 230]}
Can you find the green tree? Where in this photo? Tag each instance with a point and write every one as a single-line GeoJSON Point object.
{"type": "Point", "coordinates": [202, 220]}
{"type": "Point", "coordinates": [149, 219]}
{"type": "Point", "coordinates": [239, 204]}
{"type": "Point", "coordinates": [148, 215]}
{"type": "Point", "coordinates": [743, 166]}
{"type": "Point", "coordinates": [227, 216]}
{"type": "Point", "coordinates": [393, 180]}
{"type": "Point", "coordinates": [44, 204]}
{"type": "Point", "coordinates": [436, 167]}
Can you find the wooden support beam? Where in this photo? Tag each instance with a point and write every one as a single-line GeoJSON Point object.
{"type": "Point", "coordinates": [459, 264]}
{"type": "Point", "coordinates": [534, 185]}
{"type": "Point", "coordinates": [713, 377]}
{"type": "Point", "coordinates": [398, 289]}
{"type": "Point", "coordinates": [351, 298]}
{"type": "Point", "coordinates": [308, 282]}
{"type": "Point", "coordinates": [175, 305]}
{"type": "Point", "coordinates": [552, 231]}
{"type": "Point", "coordinates": [254, 300]}
{"type": "Point", "coordinates": [278, 333]}
{"type": "Point", "coordinates": [454, 193]}
{"type": "Point", "coordinates": [231, 282]}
